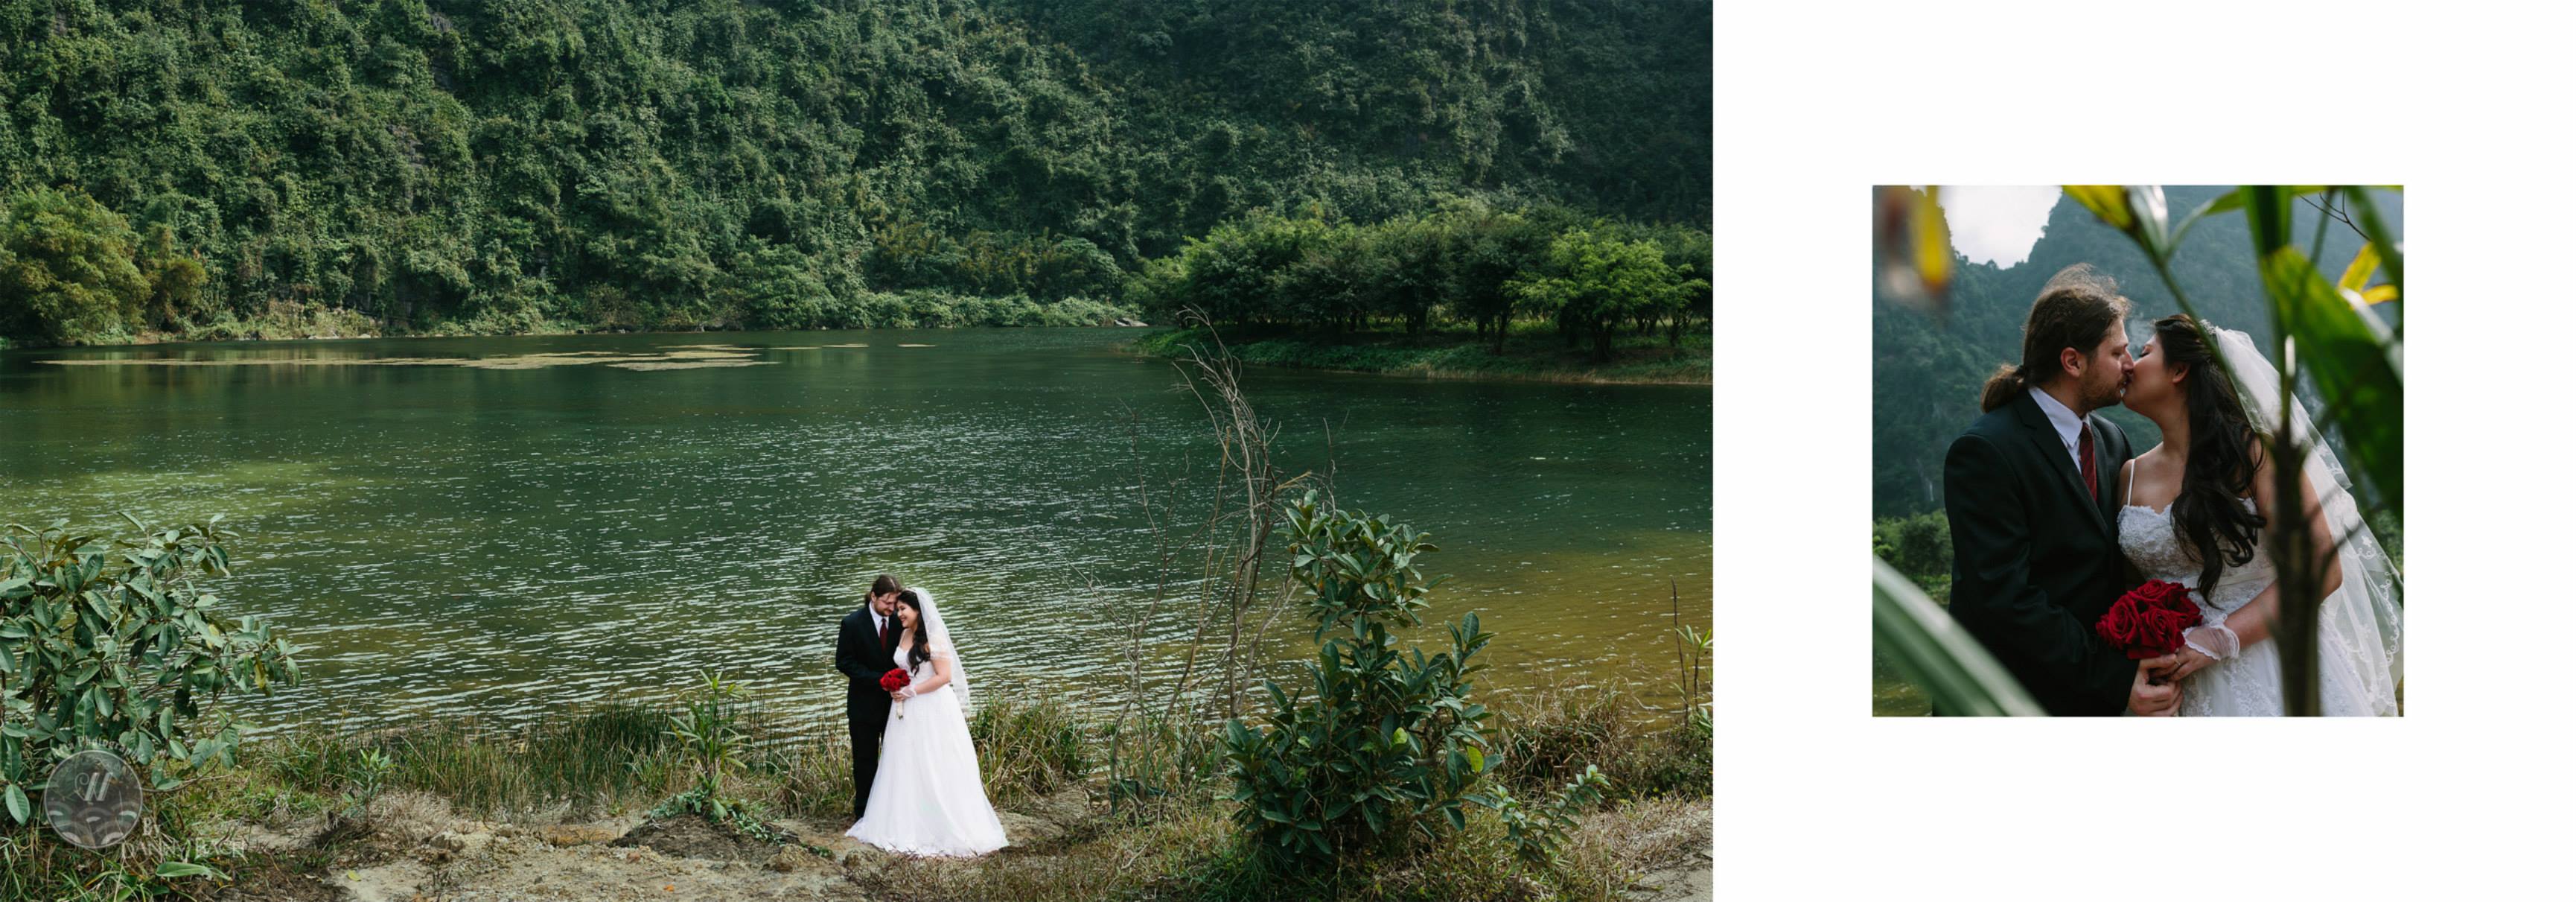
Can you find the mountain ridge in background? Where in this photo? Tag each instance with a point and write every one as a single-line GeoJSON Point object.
{"type": "Point", "coordinates": [1926, 373]}
{"type": "Point", "coordinates": [495, 166]}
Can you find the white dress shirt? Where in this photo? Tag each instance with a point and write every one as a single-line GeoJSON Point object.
{"type": "Point", "coordinates": [2069, 425]}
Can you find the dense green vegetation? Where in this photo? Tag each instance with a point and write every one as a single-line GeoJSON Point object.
{"type": "Point", "coordinates": [1467, 264]}
{"type": "Point", "coordinates": [1369, 751]}
{"type": "Point", "coordinates": [1917, 546]}
{"type": "Point", "coordinates": [547, 164]}
{"type": "Point", "coordinates": [1926, 369]}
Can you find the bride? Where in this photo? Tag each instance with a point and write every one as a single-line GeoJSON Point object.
{"type": "Point", "coordinates": [928, 798]}
{"type": "Point", "coordinates": [2195, 509]}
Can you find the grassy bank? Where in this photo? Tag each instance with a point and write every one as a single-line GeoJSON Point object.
{"type": "Point", "coordinates": [1529, 352]}
{"type": "Point", "coordinates": [453, 808]}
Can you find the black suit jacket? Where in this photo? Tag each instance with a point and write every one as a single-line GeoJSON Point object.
{"type": "Point", "coordinates": [2035, 561]}
{"type": "Point", "coordinates": [861, 654]}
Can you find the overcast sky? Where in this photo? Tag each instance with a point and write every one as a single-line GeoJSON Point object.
{"type": "Point", "coordinates": [1996, 223]}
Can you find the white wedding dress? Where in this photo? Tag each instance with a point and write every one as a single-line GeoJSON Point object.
{"type": "Point", "coordinates": [2359, 661]}
{"type": "Point", "coordinates": [928, 798]}
{"type": "Point", "coordinates": [2245, 685]}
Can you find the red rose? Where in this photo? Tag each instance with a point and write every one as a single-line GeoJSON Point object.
{"type": "Point", "coordinates": [895, 680]}
{"type": "Point", "coordinates": [2148, 621]}
{"type": "Point", "coordinates": [2119, 625]}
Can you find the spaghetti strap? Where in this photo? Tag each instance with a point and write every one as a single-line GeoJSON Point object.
{"type": "Point", "coordinates": [2131, 493]}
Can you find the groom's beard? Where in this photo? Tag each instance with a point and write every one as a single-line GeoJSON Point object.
{"type": "Point", "coordinates": [2105, 396]}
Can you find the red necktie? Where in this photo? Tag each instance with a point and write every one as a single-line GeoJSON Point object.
{"type": "Point", "coordinates": [2084, 450]}
{"type": "Point", "coordinates": [885, 635]}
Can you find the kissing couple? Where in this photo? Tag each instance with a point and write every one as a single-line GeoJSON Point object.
{"type": "Point", "coordinates": [926, 796]}
{"type": "Point", "coordinates": [2052, 520]}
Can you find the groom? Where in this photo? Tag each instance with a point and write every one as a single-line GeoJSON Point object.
{"type": "Point", "coordinates": [2034, 512]}
{"type": "Point", "coordinates": [864, 653]}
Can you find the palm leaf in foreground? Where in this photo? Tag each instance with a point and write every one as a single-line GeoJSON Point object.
{"type": "Point", "coordinates": [1939, 655]}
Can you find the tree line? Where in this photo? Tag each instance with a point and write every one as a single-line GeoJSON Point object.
{"type": "Point", "coordinates": [523, 164]}
{"type": "Point", "coordinates": [1466, 264]}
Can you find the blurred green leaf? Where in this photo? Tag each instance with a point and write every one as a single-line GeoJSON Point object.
{"type": "Point", "coordinates": [2267, 212]}
{"type": "Point", "coordinates": [182, 869]}
{"type": "Point", "coordinates": [2147, 204]}
{"type": "Point", "coordinates": [2352, 361]}
{"type": "Point", "coordinates": [1938, 655]}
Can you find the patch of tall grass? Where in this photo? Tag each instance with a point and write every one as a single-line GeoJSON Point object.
{"type": "Point", "coordinates": [582, 760]}
{"type": "Point", "coordinates": [1029, 749]}
{"type": "Point", "coordinates": [1157, 765]}
{"type": "Point", "coordinates": [618, 758]}
{"type": "Point", "coordinates": [1171, 837]}
{"type": "Point", "coordinates": [1549, 734]}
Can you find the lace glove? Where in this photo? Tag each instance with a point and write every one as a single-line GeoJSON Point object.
{"type": "Point", "coordinates": [2213, 640]}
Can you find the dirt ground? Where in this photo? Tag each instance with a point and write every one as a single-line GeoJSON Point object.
{"type": "Point", "coordinates": [420, 851]}
{"type": "Point", "coordinates": [1665, 842]}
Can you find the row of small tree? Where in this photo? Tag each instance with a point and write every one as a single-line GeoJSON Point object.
{"type": "Point", "coordinates": [1467, 263]}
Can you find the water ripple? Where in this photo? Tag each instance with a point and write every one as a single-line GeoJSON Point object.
{"type": "Point", "coordinates": [502, 543]}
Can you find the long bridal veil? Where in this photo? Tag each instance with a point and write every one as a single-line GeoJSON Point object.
{"type": "Point", "coordinates": [2360, 625]}
{"type": "Point", "coordinates": [937, 628]}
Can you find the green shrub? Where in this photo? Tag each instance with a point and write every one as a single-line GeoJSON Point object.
{"type": "Point", "coordinates": [67, 271]}
{"type": "Point", "coordinates": [710, 737]}
{"type": "Point", "coordinates": [122, 650]}
{"type": "Point", "coordinates": [711, 743]}
{"type": "Point", "coordinates": [1378, 748]}
{"type": "Point", "coordinates": [1917, 546]}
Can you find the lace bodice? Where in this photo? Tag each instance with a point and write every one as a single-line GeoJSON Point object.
{"type": "Point", "coordinates": [2149, 539]}
{"type": "Point", "coordinates": [939, 649]}
{"type": "Point", "coordinates": [2250, 682]}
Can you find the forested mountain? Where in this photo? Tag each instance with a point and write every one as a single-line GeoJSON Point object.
{"type": "Point", "coordinates": [1926, 373]}
{"type": "Point", "coordinates": [489, 166]}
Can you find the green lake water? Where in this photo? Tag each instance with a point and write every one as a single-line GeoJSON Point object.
{"type": "Point", "coordinates": [506, 540]}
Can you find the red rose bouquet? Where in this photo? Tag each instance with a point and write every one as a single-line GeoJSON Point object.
{"type": "Point", "coordinates": [892, 681]}
{"type": "Point", "coordinates": [2149, 620]}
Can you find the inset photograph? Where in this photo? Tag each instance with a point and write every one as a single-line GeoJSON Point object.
{"type": "Point", "coordinates": [2138, 451]}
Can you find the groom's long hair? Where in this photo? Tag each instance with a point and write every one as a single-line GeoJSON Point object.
{"type": "Point", "coordinates": [2074, 309]}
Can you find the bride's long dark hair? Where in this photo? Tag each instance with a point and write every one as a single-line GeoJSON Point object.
{"type": "Point", "coordinates": [2219, 466]}
{"type": "Point", "coordinates": [920, 630]}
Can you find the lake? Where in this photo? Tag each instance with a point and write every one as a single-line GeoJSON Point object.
{"type": "Point", "coordinates": [580, 518]}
